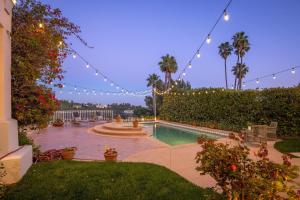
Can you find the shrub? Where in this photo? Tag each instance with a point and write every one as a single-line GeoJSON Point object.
{"type": "Point", "coordinates": [233, 110]}
{"type": "Point", "coordinates": [240, 177]}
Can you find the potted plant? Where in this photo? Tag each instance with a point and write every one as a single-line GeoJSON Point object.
{"type": "Point", "coordinates": [68, 153]}
{"type": "Point", "coordinates": [110, 154]}
{"type": "Point", "coordinates": [58, 123]}
{"type": "Point", "coordinates": [135, 123]}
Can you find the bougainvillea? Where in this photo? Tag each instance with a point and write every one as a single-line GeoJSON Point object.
{"type": "Point", "coordinates": [39, 48]}
{"type": "Point", "coordinates": [240, 177]}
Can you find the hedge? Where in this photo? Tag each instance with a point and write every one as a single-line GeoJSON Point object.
{"type": "Point", "coordinates": [234, 110]}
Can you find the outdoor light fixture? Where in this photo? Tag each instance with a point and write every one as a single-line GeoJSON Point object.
{"type": "Point", "coordinates": [257, 81]}
{"type": "Point", "coordinates": [293, 71]}
{"type": "Point", "coordinates": [198, 54]}
{"type": "Point", "coordinates": [105, 79]}
{"type": "Point", "coordinates": [96, 73]}
{"type": "Point", "coordinates": [41, 25]}
{"type": "Point", "coordinates": [117, 87]}
{"type": "Point", "coordinates": [111, 84]}
{"type": "Point", "coordinates": [274, 77]}
{"type": "Point", "coordinates": [87, 65]}
{"type": "Point", "coordinates": [208, 39]}
{"type": "Point", "coordinates": [183, 73]}
{"type": "Point", "coordinates": [190, 65]}
{"type": "Point", "coordinates": [74, 56]}
{"type": "Point", "coordinates": [226, 16]}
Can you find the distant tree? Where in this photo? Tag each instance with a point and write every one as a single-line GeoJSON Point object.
{"type": "Point", "coordinates": [159, 98]}
{"type": "Point", "coordinates": [140, 111]}
{"type": "Point", "coordinates": [241, 46]}
{"type": "Point", "coordinates": [225, 50]}
{"type": "Point", "coordinates": [151, 82]}
{"type": "Point", "coordinates": [168, 65]}
{"type": "Point", "coordinates": [38, 51]}
{"type": "Point", "coordinates": [240, 71]}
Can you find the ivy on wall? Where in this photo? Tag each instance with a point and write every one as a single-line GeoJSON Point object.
{"type": "Point", "coordinates": [234, 110]}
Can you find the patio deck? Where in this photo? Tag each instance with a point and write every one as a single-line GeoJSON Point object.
{"type": "Point", "coordinates": [180, 159]}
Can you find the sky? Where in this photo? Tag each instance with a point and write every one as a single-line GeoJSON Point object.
{"type": "Point", "coordinates": [130, 36]}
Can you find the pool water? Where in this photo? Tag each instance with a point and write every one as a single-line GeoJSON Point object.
{"type": "Point", "coordinates": [176, 136]}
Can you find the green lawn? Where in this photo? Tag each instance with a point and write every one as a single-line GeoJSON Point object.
{"type": "Point", "coordinates": [288, 145]}
{"type": "Point", "coordinates": [100, 180]}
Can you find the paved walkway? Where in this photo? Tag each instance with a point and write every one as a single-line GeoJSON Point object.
{"type": "Point", "coordinates": [180, 159]}
{"type": "Point", "coordinates": [89, 145]}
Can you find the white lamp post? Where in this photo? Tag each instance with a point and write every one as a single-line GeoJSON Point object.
{"type": "Point", "coordinates": [16, 159]}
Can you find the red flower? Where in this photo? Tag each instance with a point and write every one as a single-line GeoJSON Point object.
{"type": "Point", "coordinates": [233, 167]}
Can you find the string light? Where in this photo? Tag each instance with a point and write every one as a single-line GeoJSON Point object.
{"type": "Point", "coordinates": [41, 25]}
{"type": "Point", "coordinates": [190, 65]}
{"type": "Point", "coordinates": [74, 56]}
{"type": "Point", "coordinates": [257, 81]}
{"type": "Point", "coordinates": [208, 39]}
{"type": "Point", "coordinates": [96, 73]}
{"type": "Point", "coordinates": [105, 79]}
{"type": "Point", "coordinates": [274, 77]}
{"type": "Point", "coordinates": [198, 54]}
{"type": "Point", "coordinates": [293, 71]}
{"type": "Point", "coordinates": [226, 15]}
{"type": "Point", "coordinates": [87, 66]}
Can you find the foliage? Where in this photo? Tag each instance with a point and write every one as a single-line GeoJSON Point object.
{"type": "Point", "coordinates": [25, 140]}
{"type": "Point", "coordinates": [105, 180]}
{"type": "Point", "coordinates": [2, 174]}
{"type": "Point", "coordinates": [233, 110]}
{"type": "Point", "coordinates": [225, 50]}
{"type": "Point", "coordinates": [288, 145]}
{"type": "Point", "coordinates": [241, 46]}
{"type": "Point", "coordinates": [140, 111]}
{"type": "Point", "coordinates": [168, 65]}
{"type": "Point", "coordinates": [38, 51]}
{"type": "Point", "coordinates": [240, 177]}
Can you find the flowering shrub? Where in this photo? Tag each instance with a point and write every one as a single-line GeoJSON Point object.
{"type": "Point", "coordinates": [240, 177]}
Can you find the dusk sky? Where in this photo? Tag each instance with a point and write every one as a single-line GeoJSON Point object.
{"type": "Point", "coordinates": [130, 36]}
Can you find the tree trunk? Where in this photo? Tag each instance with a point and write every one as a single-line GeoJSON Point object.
{"type": "Point", "coordinates": [166, 80]}
{"type": "Point", "coordinates": [154, 101]}
{"type": "Point", "coordinates": [226, 73]}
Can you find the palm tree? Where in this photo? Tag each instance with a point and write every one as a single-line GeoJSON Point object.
{"type": "Point", "coordinates": [152, 82]}
{"type": "Point", "coordinates": [241, 46]}
{"type": "Point", "coordinates": [225, 50]}
{"type": "Point", "coordinates": [240, 71]}
{"type": "Point", "coordinates": [168, 65]}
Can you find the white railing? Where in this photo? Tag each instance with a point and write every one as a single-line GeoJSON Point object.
{"type": "Point", "coordinates": [69, 115]}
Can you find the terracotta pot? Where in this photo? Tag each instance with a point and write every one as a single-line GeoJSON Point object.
{"type": "Point", "coordinates": [68, 154]}
{"type": "Point", "coordinates": [111, 157]}
{"type": "Point", "coordinates": [118, 119]}
{"type": "Point", "coordinates": [135, 123]}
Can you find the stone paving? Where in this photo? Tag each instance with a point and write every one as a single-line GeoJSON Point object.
{"type": "Point", "coordinates": [180, 159]}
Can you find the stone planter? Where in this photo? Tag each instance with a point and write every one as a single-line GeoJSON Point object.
{"type": "Point", "coordinates": [111, 156]}
{"type": "Point", "coordinates": [68, 154]}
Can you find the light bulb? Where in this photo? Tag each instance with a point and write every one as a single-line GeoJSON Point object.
{"type": "Point", "coordinates": [96, 73]}
{"type": "Point", "coordinates": [183, 73]}
{"type": "Point", "coordinates": [117, 87]}
{"type": "Point", "coordinates": [190, 65]}
{"type": "Point", "coordinates": [41, 25]}
{"type": "Point", "coordinates": [87, 65]}
{"type": "Point", "coordinates": [293, 71]}
{"type": "Point", "coordinates": [198, 54]}
{"type": "Point", "coordinates": [274, 77]}
{"type": "Point", "coordinates": [257, 81]}
{"type": "Point", "coordinates": [105, 79]}
{"type": "Point", "coordinates": [74, 56]}
{"type": "Point", "coordinates": [60, 43]}
{"type": "Point", "coordinates": [208, 39]}
{"type": "Point", "coordinates": [226, 16]}
{"type": "Point", "coordinates": [111, 84]}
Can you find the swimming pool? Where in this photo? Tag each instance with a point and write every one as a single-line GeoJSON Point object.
{"type": "Point", "coordinates": [175, 136]}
